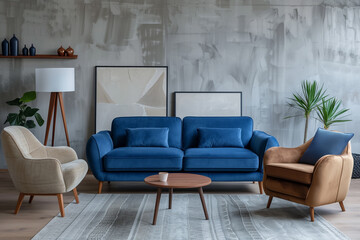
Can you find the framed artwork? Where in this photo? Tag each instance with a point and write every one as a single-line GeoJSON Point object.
{"type": "Point", "coordinates": [208, 104]}
{"type": "Point", "coordinates": [129, 91]}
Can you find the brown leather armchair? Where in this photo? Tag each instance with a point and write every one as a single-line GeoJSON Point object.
{"type": "Point", "coordinates": [325, 182]}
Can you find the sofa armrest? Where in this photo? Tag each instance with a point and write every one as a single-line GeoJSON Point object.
{"type": "Point", "coordinates": [96, 148]}
{"type": "Point", "coordinates": [260, 142]}
{"type": "Point", "coordinates": [331, 179]}
{"type": "Point", "coordinates": [39, 175]}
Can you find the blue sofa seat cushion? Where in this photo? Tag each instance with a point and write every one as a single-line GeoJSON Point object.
{"type": "Point", "coordinates": [143, 159]}
{"type": "Point", "coordinates": [220, 160]}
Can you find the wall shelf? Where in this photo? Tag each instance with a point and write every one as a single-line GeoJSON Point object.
{"type": "Point", "coordinates": [42, 56]}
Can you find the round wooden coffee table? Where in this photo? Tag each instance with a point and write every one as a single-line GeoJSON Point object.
{"type": "Point", "coordinates": [178, 180]}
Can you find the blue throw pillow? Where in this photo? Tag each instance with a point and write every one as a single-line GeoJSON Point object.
{"type": "Point", "coordinates": [147, 137]}
{"type": "Point", "coordinates": [219, 137]}
{"type": "Point", "coordinates": [325, 142]}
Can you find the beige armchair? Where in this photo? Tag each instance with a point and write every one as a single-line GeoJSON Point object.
{"type": "Point", "coordinates": [326, 182]}
{"type": "Point", "coordinates": [39, 170]}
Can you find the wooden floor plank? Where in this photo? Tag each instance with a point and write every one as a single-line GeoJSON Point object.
{"type": "Point", "coordinates": [33, 217]}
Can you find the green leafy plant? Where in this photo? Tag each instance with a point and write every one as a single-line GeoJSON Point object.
{"type": "Point", "coordinates": [308, 100]}
{"type": "Point", "coordinates": [20, 119]}
{"type": "Point", "coordinates": [329, 112]}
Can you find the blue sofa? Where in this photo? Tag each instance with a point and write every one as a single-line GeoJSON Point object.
{"type": "Point", "coordinates": [110, 158]}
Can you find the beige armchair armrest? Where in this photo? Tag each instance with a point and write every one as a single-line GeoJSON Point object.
{"type": "Point", "coordinates": [39, 175]}
{"type": "Point", "coordinates": [285, 155]}
{"type": "Point", "coordinates": [331, 180]}
{"type": "Point", "coordinates": [63, 154]}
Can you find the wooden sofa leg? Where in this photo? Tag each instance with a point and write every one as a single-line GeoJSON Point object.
{"type": "Point", "coordinates": [100, 187]}
{"type": "Point", "coordinates": [342, 206]}
{"type": "Point", "coordinates": [31, 198]}
{"type": "Point", "coordinates": [18, 205]}
{"type": "Point", "coordinates": [76, 195]}
{"type": "Point", "coordinates": [269, 201]}
{"type": "Point", "coordinates": [261, 187]}
{"type": "Point", "coordinates": [61, 204]}
{"type": "Point", "coordinates": [312, 213]}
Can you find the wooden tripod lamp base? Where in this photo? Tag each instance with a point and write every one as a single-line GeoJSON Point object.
{"type": "Point", "coordinates": [54, 98]}
{"type": "Point", "coordinates": [56, 81]}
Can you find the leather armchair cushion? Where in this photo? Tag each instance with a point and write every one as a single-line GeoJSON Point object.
{"type": "Point", "coordinates": [143, 159]}
{"type": "Point", "coordinates": [286, 187]}
{"type": "Point", "coordinates": [296, 172]}
{"type": "Point", "coordinates": [220, 160]}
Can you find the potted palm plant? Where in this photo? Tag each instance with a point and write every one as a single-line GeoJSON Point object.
{"type": "Point", "coordinates": [330, 112]}
{"type": "Point", "coordinates": [308, 100]}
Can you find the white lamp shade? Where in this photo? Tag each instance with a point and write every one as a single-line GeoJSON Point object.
{"type": "Point", "coordinates": [55, 79]}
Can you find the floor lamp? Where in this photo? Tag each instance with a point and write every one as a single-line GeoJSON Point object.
{"type": "Point", "coordinates": [56, 81]}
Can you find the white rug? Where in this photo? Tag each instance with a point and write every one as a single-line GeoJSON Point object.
{"type": "Point", "coordinates": [129, 216]}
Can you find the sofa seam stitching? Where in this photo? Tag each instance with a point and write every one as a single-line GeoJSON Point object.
{"type": "Point", "coordinates": [342, 170]}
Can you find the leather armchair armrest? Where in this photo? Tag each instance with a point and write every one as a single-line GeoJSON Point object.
{"type": "Point", "coordinates": [260, 142]}
{"type": "Point", "coordinates": [96, 148]}
{"type": "Point", "coordinates": [331, 179]}
{"type": "Point", "coordinates": [63, 154]}
{"type": "Point", "coordinates": [285, 155]}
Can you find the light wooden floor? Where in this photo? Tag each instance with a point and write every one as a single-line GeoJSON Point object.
{"type": "Point", "coordinates": [33, 217]}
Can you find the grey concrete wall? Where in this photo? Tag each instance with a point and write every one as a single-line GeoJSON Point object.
{"type": "Point", "coordinates": [262, 48]}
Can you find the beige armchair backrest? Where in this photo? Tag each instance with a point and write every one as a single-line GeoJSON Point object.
{"type": "Point", "coordinates": [30, 168]}
{"type": "Point", "coordinates": [26, 143]}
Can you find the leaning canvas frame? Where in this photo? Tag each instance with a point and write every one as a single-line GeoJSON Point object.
{"type": "Point", "coordinates": [129, 91]}
{"type": "Point", "coordinates": [208, 104]}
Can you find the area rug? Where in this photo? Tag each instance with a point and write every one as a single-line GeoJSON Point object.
{"type": "Point", "coordinates": [232, 216]}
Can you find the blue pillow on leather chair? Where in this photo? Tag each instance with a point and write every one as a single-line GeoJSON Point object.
{"type": "Point", "coordinates": [147, 137]}
{"type": "Point", "coordinates": [325, 143]}
{"type": "Point", "coordinates": [219, 137]}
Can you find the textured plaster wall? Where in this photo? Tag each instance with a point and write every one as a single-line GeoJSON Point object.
{"type": "Point", "coordinates": [262, 48]}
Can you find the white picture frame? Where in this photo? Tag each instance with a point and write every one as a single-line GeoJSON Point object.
{"type": "Point", "coordinates": [208, 104]}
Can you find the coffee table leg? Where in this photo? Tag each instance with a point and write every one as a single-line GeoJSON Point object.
{"type": "Point", "coordinates": [158, 196]}
{"type": "Point", "coordinates": [203, 203]}
{"type": "Point", "coordinates": [170, 197]}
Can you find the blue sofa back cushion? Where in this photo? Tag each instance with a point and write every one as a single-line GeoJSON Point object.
{"type": "Point", "coordinates": [120, 124]}
{"type": "Point", "coordinates": [147, 137]}
{"type": "Point", "coordinates": [324, 143]}
{"type": "Point", "coordinates": [191, 124]}
{"type": "Point", "coordinates": [219, 137]}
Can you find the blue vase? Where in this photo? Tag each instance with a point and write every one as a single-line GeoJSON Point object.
{"type": "Point", "coordinates": [14, 46]}
{"type": "Point", "coordinates": [5, 47]}
{"type": "Point", "coordinates": [32, 50]}
{"type": "Point", "coordinates": [25, 51]}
